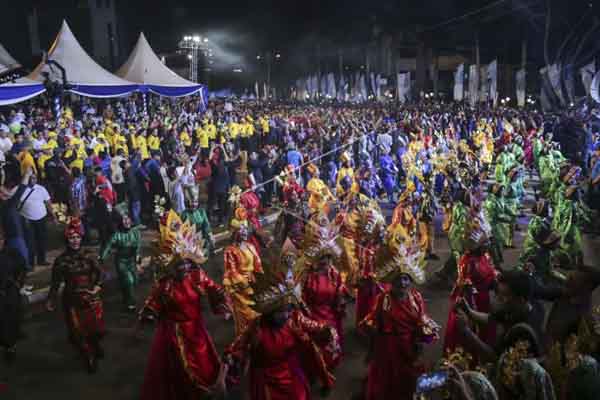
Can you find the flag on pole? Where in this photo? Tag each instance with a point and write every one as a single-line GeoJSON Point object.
{"type": "Point", "coordinates": [595, 87]}
{"type": "Point", "coordinates": [587, 76]}
{"type": "Point", "coordinates": [256, 91]}
{"type": "Point", "coordinates": [492, 77]}
{"type": "Point", "coordinates": [403, 87]}
{"type": "Point", "coordinates": [521, 82]}
{"type": "Point", "coordinates": [473, 85]}
{"type": "Point", "coordinates": [554, 73]}
{"type": "Point", "coordinates": [341, 92]}
{"type": "Point", "coordinates": [459, 82]}
{"type": "Point", "coordinates": [484, 84]}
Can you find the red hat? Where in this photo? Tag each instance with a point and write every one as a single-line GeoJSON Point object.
{"type": "Point", "coordinates": [74, 228]}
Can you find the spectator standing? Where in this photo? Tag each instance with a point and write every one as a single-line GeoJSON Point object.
{"type": "Point", "coordinates": [35, 208]}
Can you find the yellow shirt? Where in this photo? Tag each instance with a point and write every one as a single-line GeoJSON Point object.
{"type": "Point", "coordinates": [185, 139]}
{"type": "Point", "coordinates": [211, 129]}
{"type": "Point", "coordinates": [52, 143]}
{"type": "Point", "coordinates": [77, 163]}
{"type": "Point", "coordinates": [154, 143]}
{"type": "Point", "coordinates": [234, 130]}
{"type": "Point", "coordinates": [27, 162]}
{"type": "Point", "coordinates": [41, 162]}
{"type": "Point", "coordinates": [142, 146]}
{"type": "Point", "coordinates": [264, 123]}
{"type": "Point", "coordinates": [202, 135]}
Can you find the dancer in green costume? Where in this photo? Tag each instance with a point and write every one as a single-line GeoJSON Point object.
{"type": "Point", "coordinates": [125, 243]}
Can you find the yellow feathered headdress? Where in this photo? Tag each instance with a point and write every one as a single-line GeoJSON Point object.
{"type": "Point", "coordinates": [180, 240]}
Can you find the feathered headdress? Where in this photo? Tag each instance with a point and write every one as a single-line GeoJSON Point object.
{"type": "Point", "coordinates": [275, 291]}
{"type": "Point", "coordinates": [235, 194]}
{"type": "Point", "coordinates": [403, 260]}
{"type": "Point", "coordinates": [179, 240]}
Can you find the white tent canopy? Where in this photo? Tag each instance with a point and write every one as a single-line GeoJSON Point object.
{"type": "Point", "coordinates": [144, 67]}
{"type": "Point", "coordinates": [85, 76]}
{"type": "Point", "coordinates": [7, 62]}
{"type": "Point", "coordinates": [19, 90]}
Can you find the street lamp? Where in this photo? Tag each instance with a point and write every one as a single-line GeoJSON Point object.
{"type": "Point", "coordinates": [194, 44]}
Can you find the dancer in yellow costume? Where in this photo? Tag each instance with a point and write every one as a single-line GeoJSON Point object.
{"type": "Point", "coordinates": [319, 193]}
{"type": "Point", "coordinates": [242, 263]}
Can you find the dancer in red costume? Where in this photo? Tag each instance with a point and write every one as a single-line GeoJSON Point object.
{"type": "Point", "coordinates": [79, 270]}
{"type": "Point", "coordinates": [324, 294]}
{"type": "Point", "coordinates": [278, 349]}
{"type": "Point", "coordinates": [183, 363]}
{"type": "Point", "coordinates": [371, 236]}
{"type": "Point", "coordinates": [398, 326]}
{"type": "Point", "coordinates": [476, 277]}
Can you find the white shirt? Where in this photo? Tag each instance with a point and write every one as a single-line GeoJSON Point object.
{"type": "Point", "coordinates": [116, 170]}
{"type": "Point", "coordinates": [5, 145]}
{"type": "Point", "coordinates": [34, 208]}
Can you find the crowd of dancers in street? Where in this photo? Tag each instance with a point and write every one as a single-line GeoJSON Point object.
{"type": "Point", "coordinates": [361, 194]}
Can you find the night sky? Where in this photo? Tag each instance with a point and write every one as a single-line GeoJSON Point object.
{"type": "Point", "coordinates": [242, 29]}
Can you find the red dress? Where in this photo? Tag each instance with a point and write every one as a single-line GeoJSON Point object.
{"type": "Point", "coordinates": [368, 288]}
{"type": "Point", "coordinates": [183, 362]}
{"type": "Point", "coordinates": [277, 370]}
{"type": "Point", "coordinates": [396, 327]}
{"type": "Point", "coordinates": [324, 294]}
{"type": "Point", "coordinates": [475, 271]}
{"type": "Point", "coordinates": [251, 203]}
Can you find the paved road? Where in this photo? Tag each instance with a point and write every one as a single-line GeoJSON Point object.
{"type": "Point", "coordinates": [47, 368]}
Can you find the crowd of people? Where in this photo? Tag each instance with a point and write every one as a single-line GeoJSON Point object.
{"type": "Point", "coordinates": [359, 191]}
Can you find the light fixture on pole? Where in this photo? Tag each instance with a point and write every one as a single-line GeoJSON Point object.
{"type": "Point", "coordinates": [194, 45]}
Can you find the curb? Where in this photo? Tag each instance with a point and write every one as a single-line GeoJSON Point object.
{"type": "Point", "coordinates": [40, 295]}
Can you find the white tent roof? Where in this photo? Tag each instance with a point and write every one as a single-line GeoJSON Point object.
{"type": "Point", "coordinates": [143, 66]}
{"type": "Point", "coordinates": [80, 67]}
{"type": "Point", "coordinates": [20, 89]}
{"type": "Point", "coordinates": [7, 62]}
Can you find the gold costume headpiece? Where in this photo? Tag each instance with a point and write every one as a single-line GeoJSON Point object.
{"type": "Point", "coordinates": [180, 241]}
{"type": "Point", "coordinates": [403, 261]}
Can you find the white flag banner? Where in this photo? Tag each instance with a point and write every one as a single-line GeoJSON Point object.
{"type": "Point", "coordinates": [587, 76]}
{"type": "Point", "coordinates": [403, 87]}
{"type": "Point", "coordinates": [363, 88]}
{"type": "Point", "coordinates": [323, 89]}
{"type": "Point", "coordinates": [554, 72]}
{"type": "Point", "coordinates": [459, 76]}
{"type": "Point", "coordinates": [521, 82]}
{"type": "Point", "coordinates": [315, 86]}
{"type": "Point", "coordinates": [473, 85]}
{"type": "Point", "coordinates": [569, 82]}
{"type": "Point", "coordinates": [378, 84]}
{"type": "Point", "coordinates": [256, 90]}
{"type": "Point", "coordinates": [546, 92]}
{"type": "Point", "coordinates": [331, 89]}
{"type": "Point", "coordinates": [492, 78]}
{"type": "Point", "coordinates": [265, 91]}
{"type": "Point", "coordinates": [484, 84]}
{"type": "Point", "coordinates": [341, 92]}
{"type": "Point", "coordinates": [595, 87]}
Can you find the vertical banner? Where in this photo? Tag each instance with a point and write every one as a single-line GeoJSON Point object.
{"type": "Point", "coordinates": [323, 89]}
{"type": "Point", "coordinates": [473, 85]}
{"type": "Point", "coordinates": [492, 78]}
{"type": "Point", "coordinates": [568, 74]}
{"type": "Point", "coordinates": [331, 89]}
{"type": "Point", "coordinates": [521, 82]}
{"type": "Point", "coordinates": [341, 92]}
{"type": "Point", "coordinates": [256, 93]}
{"type": "Point", "coordinates": [459, 76]}
{"type": "Point", "coordinates": [587, 76]}
{"type": "Point", "coordinates": [372, 83]}
{"type": "Point", "coordinates": [595, 87]}
{"type": "Point", "coordinates": [364, 93]}
{"type": "Point", "coordinates": [265, 91]}
{"type": "Point", "coordinates": [547, 95]}
{"type": "Point", "coordinates": [484, 84]}
{"type": "Point", "coordinates": [403, 83]}
{"type": "Point", "coordinates": [554, 74]}
{"type": "Point", "coordinates": [378, 84]}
